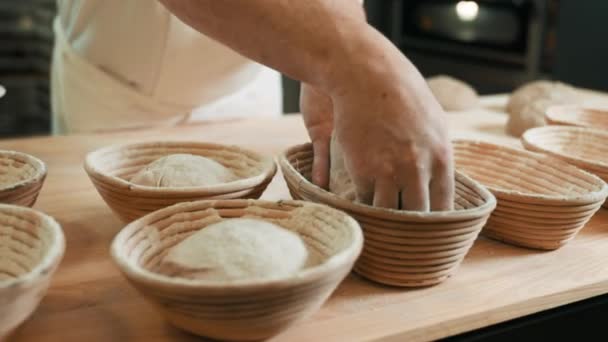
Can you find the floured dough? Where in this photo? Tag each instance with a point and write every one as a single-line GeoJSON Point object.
{"type": "Point", "coordinates": [237, 249]}
{"type": "Point", "coordinates": [532, 115]}
{"type": "Point", "coordinates": [553, 91]}
{"type": "Point", "coordinates": [453, 94]}
{"type": "Point", "coordinates": [340, 182]}
{"type": "Point", "coordinates": [14, 171]}
{"type": "Point", "coordinates": [528, 103]}
{"type": "Point", "coordinates": [183, 170]}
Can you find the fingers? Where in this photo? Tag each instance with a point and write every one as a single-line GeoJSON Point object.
{"type": "Point", "coordinates": [386, 194]}
{"type": "Point", "coordinates": [442, 184]}
{"type": "Point", "coordinates": [365, 195]}
{"type": "Point", "coordinates": [423, 190]}
{"type": "Point", "coordinates": [398, 185]}
{"type": "Point", "coordinates": [409, 178]}
{"type": "Point", "coordinates": [364, 188]}
{"type": "Point", "coordinates": [317, 112]}
{"type": "Point", "coordinates": [415, 189]}
{"type": "Point", "coordinates": [320, 163]}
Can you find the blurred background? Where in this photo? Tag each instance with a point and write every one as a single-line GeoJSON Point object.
{"type": "Point", "coordinates": [494, 45]}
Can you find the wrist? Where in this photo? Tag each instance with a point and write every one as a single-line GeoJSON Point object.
{"type": "Point", "coordinates": [366, 60]}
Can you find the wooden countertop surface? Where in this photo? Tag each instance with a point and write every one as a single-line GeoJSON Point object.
{"type": "Point", "coordinates": [90, 301]}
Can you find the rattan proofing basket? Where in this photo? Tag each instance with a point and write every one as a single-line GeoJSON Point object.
{"type": "Point", "coordinates": [244, 310]}
{"type": "Point", "coordinates": [21, 178]}
{"type": "Point", "coordinates": [586, 148]}
{"type": "Point", "coordinates": [542, 202]}
{"type": "Point", "coordinates": [31, 247]}
{"type": "Point", "coordinates": [110, 169]}
{"type": "Point", "coordinates": [402, 248]}
{"type": "Point", "coordinates": [578, 115]}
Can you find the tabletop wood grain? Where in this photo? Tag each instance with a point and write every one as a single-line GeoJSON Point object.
{"type": "Point", "coordinates": [90, 301]}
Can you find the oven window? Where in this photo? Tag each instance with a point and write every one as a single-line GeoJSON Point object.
{"type": "Point", "coordinates": [494, 24]}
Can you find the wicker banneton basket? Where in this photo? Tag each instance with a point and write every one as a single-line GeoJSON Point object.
{"type": "Point", "coordinates": [578, 115]}
{"type": "Point", "coordinates": [542, 202]}
{"type": "Point", "coordinates": [402, 248]}
{"type": "Point", "coordinates": [31, 247]}
{"type": "Point", "coordinates": [584, 147]}
{"type": "Point", "coordinates": [243, 310]}
{"type": "Point", "coordinates": [21, 178]}
{"type": "Point", "coordinates": [111, 168]}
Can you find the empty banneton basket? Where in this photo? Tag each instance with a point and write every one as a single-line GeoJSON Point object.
{"type": "Point", "coordinates": [242, 310]}
{"type": "Point", "coordinates": [578, 115]}
{"type": "Point", "coordinates": [31, 247]}
{"type": "Point", "coordinates": [586, 148]}
{"type": "Point", "coordinates": [530, 189]}
{"type": "Point", "coordinates": [111, 168]}
{"type": "Point", "coordinates": [21, 178]}
{"type": "Point", "coordinates": [400, 245]}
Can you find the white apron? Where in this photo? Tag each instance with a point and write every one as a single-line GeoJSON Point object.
{"type": "Point", "coordinates": [110, 74]}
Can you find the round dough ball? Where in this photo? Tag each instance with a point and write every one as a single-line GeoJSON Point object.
{"type": "Point", "coordinates": [532, 115]}
{"type": "Point", "coordinates": [453, 94]}
{"type": "Point", "coordinates": [340, 182]}
{"type": "Point", "coordinates": [528, 103]}
{"type": "Point", "coordinates": [556, 92]}
{"type": "Point", "coordinates": [237, 249]}
{"type": "Point", "coordinates": [183, 170]}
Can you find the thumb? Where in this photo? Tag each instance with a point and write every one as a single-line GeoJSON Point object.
{"type": "Point", "coordinates": [320, 163]}
{"type": "Point", "coordinates": [317, 112]}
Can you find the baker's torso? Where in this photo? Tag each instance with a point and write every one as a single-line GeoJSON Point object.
{"type": "Point", "coordinates": [121, 64]}
{"type": "Point", "coordinates": [141, 43]}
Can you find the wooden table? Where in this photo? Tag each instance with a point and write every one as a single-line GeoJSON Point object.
{"type": "Point", "coordinates": [90, 301]}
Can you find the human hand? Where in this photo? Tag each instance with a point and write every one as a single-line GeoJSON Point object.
{"type": "Point", "coordinates": [393, 135]}
{"type": "Point", "coordinates": [317, 111]}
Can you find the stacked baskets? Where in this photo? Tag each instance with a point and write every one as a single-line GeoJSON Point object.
{"type": "Point", "coordinates": [542, 202]}
{"type": "Point", "coordinates": [248, 309]}
{"type": "Point", "coordinates": [21, 178]}
{"type": "Point", "coordinates": [401, 248]}
{"type": "Point", "coordinates": [111, 168]}
{"type": "Point", "coordinates": [584, 147]}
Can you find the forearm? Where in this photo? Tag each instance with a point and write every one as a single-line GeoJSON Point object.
{"type": "Point", "coordinates": [312, 41]}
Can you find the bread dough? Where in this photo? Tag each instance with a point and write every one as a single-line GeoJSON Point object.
{"type": "Point", "coordinates": [532, 115]}
{"type": "Point", "coordinates": [340, 182]}
{"type": "Point", "coordinates": [453, 94]}
{"type": "Point", "coordinates": [557, 92]}
{"type": "Point", "coordinates": [237, 249]}
{"type": "Point", "coordinates": [528, 103]}
{"type": "Point", "coordinates": [183, 170]}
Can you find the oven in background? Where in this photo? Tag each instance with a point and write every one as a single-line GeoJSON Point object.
{"type": "Point", "coordinates": [493, 44]}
